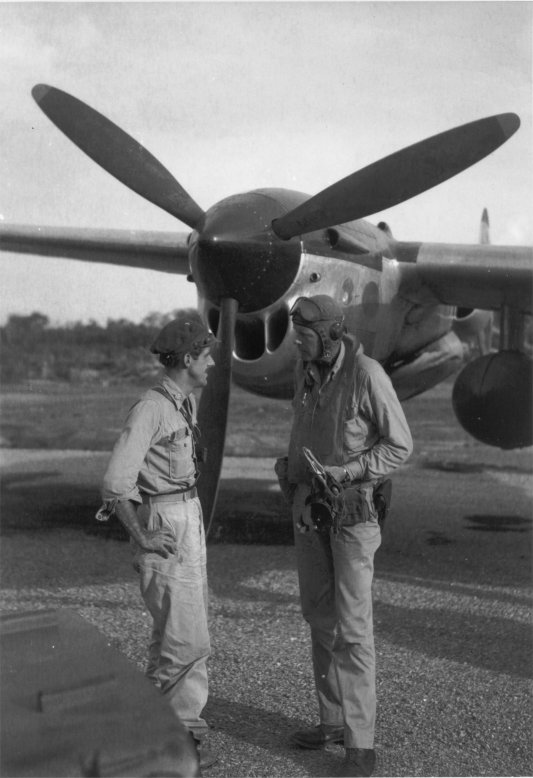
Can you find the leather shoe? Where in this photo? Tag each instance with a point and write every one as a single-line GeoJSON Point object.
{"type": "Point", "coordinates": [358, 763]}
{"type": "Point", "coordinates": [317, 737]}
{"type": "Point", "coordinates": [206, 758]}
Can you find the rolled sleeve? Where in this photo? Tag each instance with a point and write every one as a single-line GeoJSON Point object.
{"type": "Point", "coordinates": [129, 452]}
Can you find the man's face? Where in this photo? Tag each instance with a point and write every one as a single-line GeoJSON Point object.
{"type": "Point", "coordinates": [198, 367]}
{"type": "Point", "coordinates": [308, 342]}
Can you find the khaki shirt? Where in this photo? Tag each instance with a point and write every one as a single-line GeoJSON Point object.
{"type": "Point", "coordinates": [155, 452]}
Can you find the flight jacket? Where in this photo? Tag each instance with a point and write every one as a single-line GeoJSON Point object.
{"type": "Point", "coordinates": [352, 418]}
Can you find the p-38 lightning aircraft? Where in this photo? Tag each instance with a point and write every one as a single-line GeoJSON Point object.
{"type": "Point", "coordinates": [413, 305]}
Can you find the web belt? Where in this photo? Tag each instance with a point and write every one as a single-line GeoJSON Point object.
{"type": "Point", "coordinates": [181, 496]}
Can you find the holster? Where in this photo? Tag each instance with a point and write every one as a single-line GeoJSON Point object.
{"type": "Point", "coordinates": [382, 499]}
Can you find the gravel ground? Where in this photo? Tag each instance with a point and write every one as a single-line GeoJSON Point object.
{"type": "Point", "coordinates": [453, 654]}
{"type": "Point", "coordinates": [452, 588]}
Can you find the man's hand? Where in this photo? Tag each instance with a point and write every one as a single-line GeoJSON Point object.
{"type": "Point", "coordinates": [159, 542]}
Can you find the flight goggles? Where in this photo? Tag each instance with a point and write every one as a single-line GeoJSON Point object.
{"type": "Point", "coordinates": [308, 311]}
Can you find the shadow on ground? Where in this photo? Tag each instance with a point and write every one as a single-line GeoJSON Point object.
{"type": "Point", "coordinates": [42, 501]}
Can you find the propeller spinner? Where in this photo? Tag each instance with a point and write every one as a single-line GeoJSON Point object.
{"type": "Point", "coordinates": [378, 186]}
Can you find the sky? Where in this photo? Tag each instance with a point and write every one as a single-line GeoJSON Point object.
{"type": "Point", "coordinates": [236, 96]}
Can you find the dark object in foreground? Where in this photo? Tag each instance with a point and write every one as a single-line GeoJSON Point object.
{"type": "Point", "coordinates": [73, 706]}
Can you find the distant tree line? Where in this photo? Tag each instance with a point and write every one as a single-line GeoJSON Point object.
{"type": "Point", "coordinates": [30, 348]}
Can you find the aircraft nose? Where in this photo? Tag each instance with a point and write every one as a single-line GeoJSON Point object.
{"type": "Point", "coordinates": [248, 263]}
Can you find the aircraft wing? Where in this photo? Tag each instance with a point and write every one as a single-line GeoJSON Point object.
{"type": "Point", "coordinates": [163, 251]}
{"type": "Point", "coordinates": [469, 276]}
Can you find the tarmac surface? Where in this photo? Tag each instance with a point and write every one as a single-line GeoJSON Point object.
{"type": "Point", "coordinates": [452, 600]}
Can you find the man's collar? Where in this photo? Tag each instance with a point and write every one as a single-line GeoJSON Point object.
{"type": "Point", "coordinates": [339, 361]}
{"type": "Point", "coordinates": [172, 388]}
{"type": "Point", "coordinates": [313, 367]}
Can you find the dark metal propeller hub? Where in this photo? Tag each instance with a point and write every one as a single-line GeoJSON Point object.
{"type": "Point", "coordinates": [237, 255]}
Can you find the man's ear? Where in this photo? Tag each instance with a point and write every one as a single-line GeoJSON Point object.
{"type": "Point", "coordinates": [187, 359]}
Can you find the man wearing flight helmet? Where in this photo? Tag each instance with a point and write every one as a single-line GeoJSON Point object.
{"type": "Point", "coordinates": [150, 484]}
{"type": "Point", "coordinates": [347, 414]}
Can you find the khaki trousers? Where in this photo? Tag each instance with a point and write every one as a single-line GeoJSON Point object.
{"type": "Point", "coordinates": [335, 575]}
{"type": "Point", "coordinates": [174, 591]}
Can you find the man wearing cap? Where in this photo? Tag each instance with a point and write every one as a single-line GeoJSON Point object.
{"type": "Point", "coordinates": [347, 414]}
{"type": "Point", "coordinates": [150, 484]}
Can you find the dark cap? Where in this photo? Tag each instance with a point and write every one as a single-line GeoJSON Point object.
{"type": "Point", "coordinates": [187, 334]}
{"type": "Point", "coordinates": [308, 311]}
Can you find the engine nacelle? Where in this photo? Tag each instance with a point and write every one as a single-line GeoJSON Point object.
{"type": "Point", "coordinates": [473, 324]}
{"type": "Point", "coordinates": [492, 399]}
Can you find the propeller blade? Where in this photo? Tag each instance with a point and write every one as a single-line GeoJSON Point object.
{"type": "Point", "coordinates": [118, 153]}
{"type": "Point", "coordinates": [213, 410]}
{"type": "Point", "coordinates": [398, 177]}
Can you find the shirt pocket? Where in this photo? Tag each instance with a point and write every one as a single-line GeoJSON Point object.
{"type": "Point", "coordinates": [180, 453]}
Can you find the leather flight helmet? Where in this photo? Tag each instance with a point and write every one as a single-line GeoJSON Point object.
{"type": "Point", "coordinates": [322, 314]}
